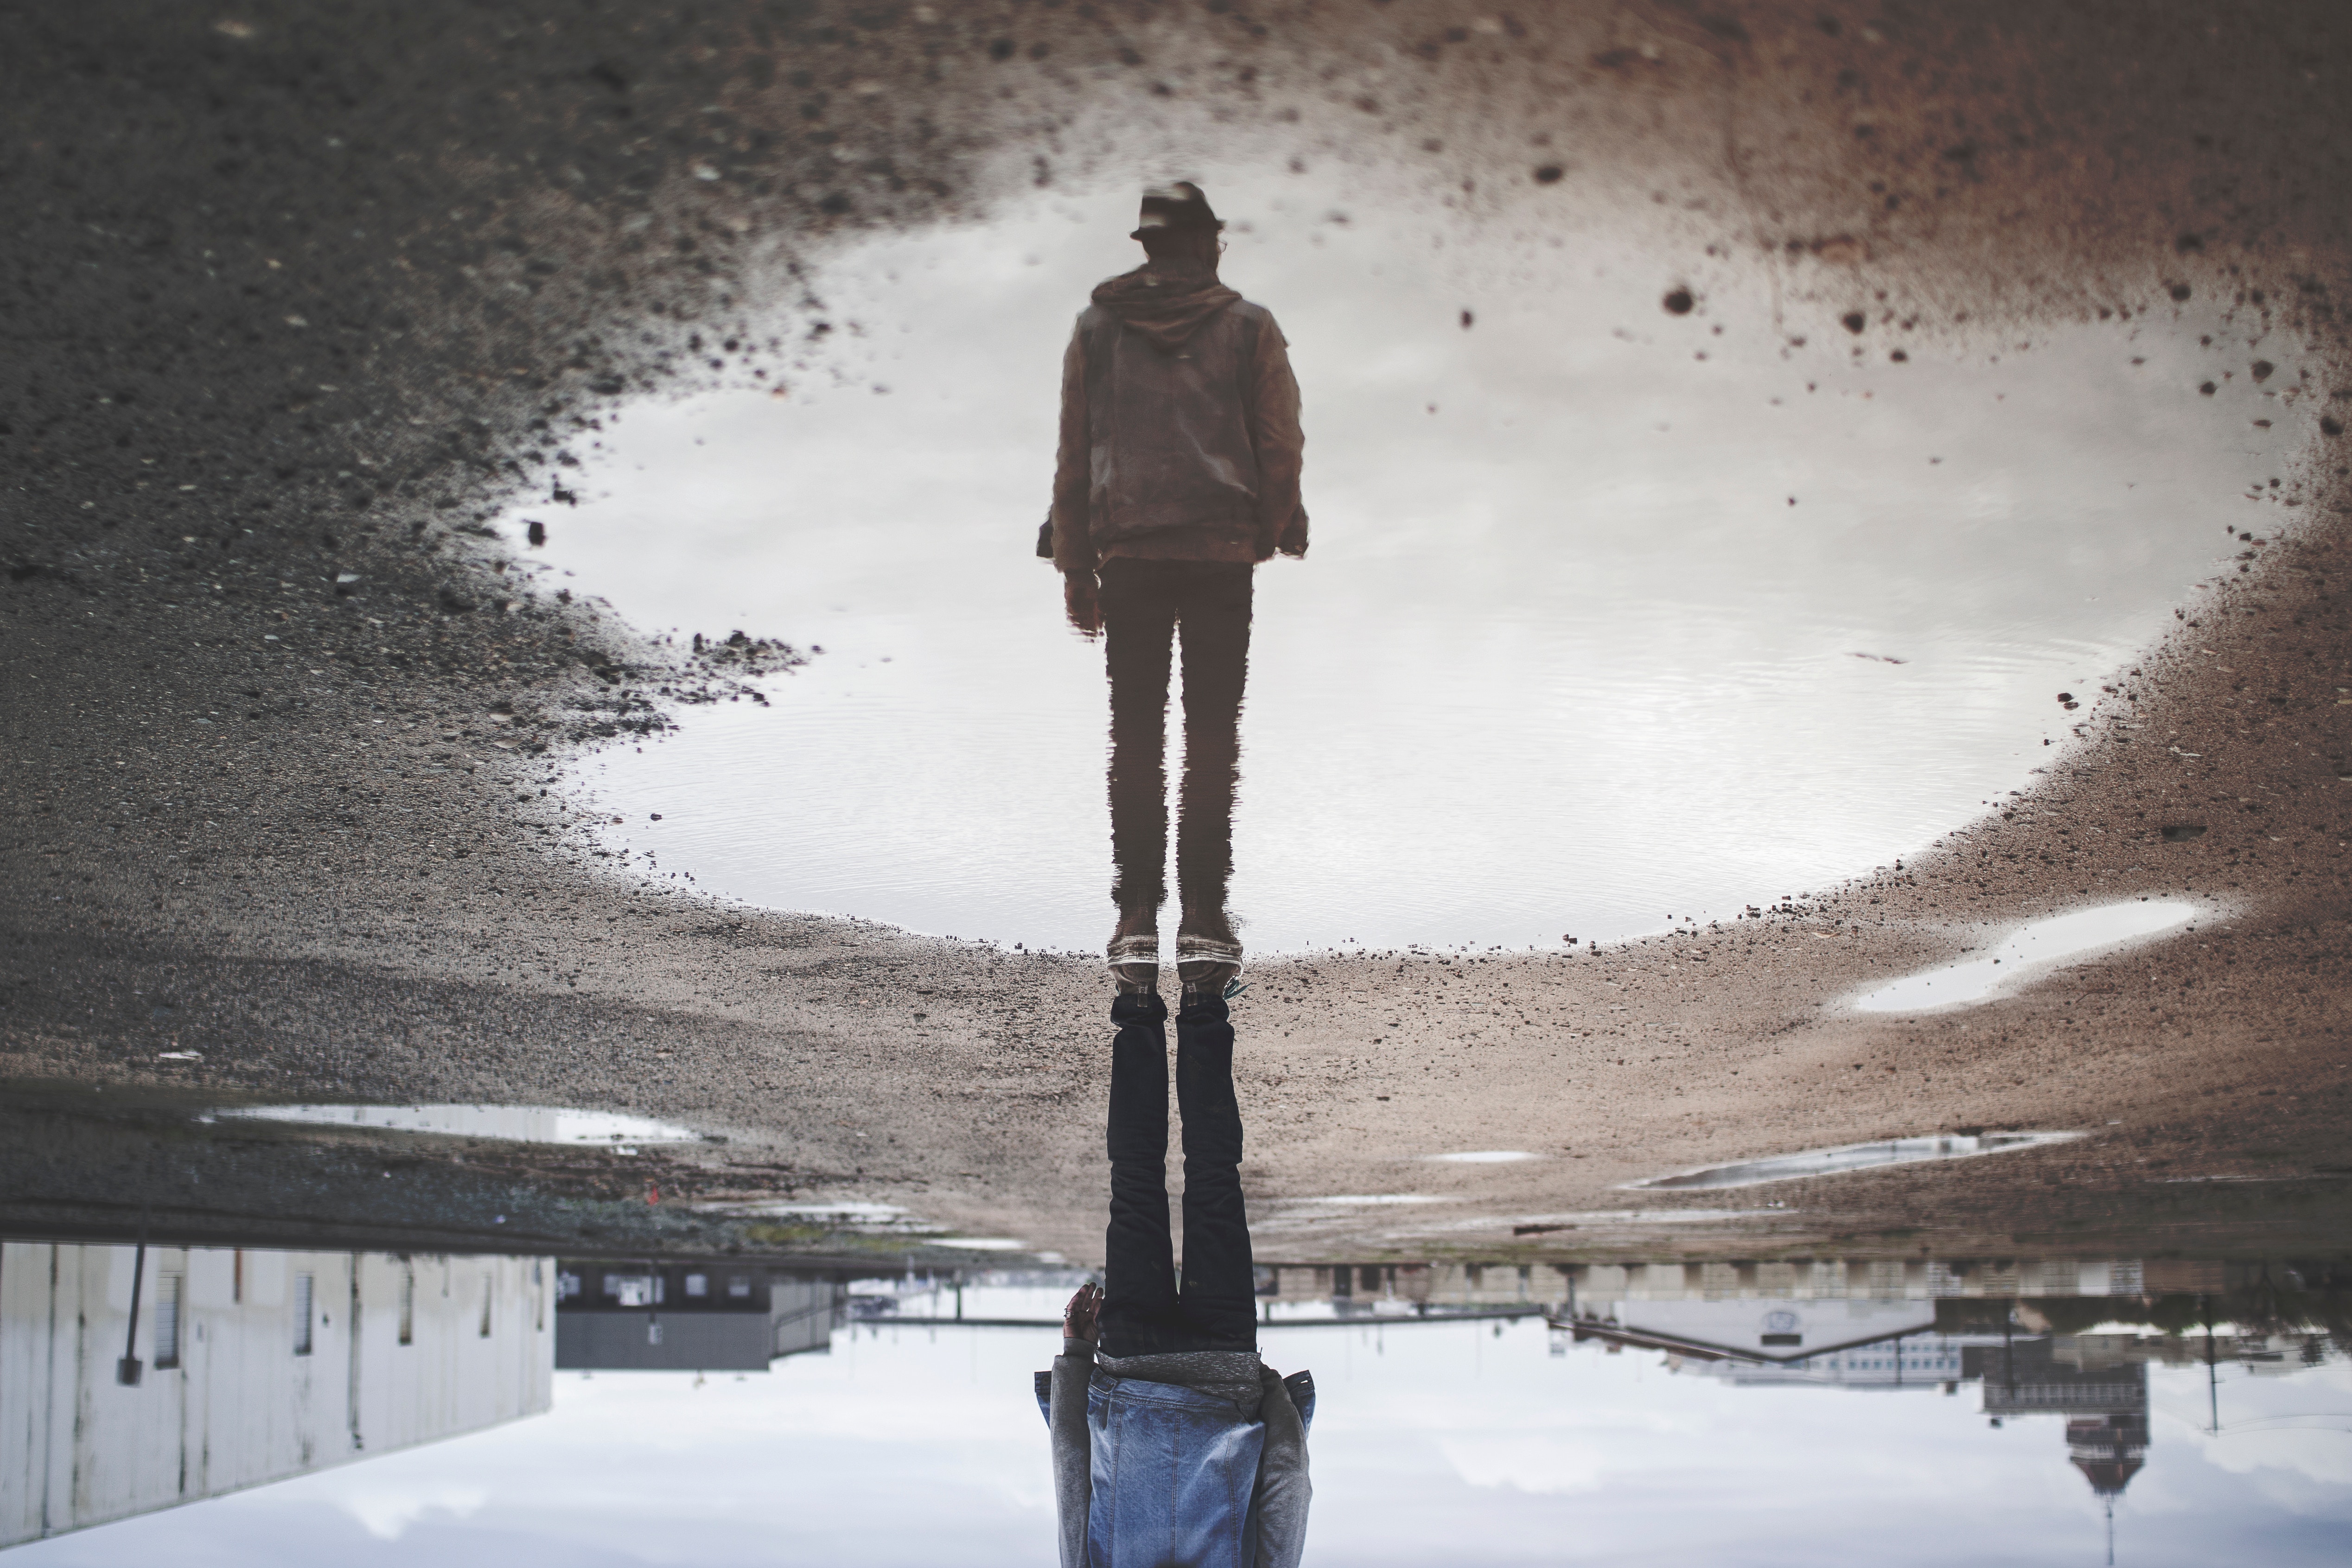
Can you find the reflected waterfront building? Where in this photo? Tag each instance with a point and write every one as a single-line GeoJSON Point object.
{"type": "Point", "coordinates": [689, 1317]}
{"type": "Point", "coordinates": [2102, 1397]}
{"type": "Point", "coordinates": [140, 1378]}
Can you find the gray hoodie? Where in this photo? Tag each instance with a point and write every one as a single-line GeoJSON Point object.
{"type": "Point", "coordinates": [1180, 436]}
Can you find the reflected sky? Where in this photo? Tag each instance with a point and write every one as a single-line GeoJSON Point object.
{"type": "Point", "coordinates": [528, 1123]}
{"type": "Point", "coordinates": [1469, 1442]}
{"type": "Point", "coordinates": [2030, 951]}
{"type": "Point", "coordinates": [1612, 615]}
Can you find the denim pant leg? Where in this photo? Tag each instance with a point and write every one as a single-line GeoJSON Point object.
{"type": "Point", "coordinates": [1220, 1295]}
{"type": "Point", "coordinates": [1139, 1309]}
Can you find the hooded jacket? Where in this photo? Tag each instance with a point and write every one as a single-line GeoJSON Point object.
{"type": "Point", "coordinates": [1180, 426]}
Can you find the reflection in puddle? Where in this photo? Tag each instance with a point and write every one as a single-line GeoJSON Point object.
{"type": "Point", "coordinates": [520, 1123]}
{"type": "Point", "coordinates": [1485, 1157]}
{"type": "Point", "coordinates": [860, 1217]}
{"type": "Point", "coordinates": [1853, 1157]}
{"type": "Point", "coordinates": [2028, 951]}
{"type": "Point", "coordinates": [698, 1317]}
{"type": "Point", "coordinates": [871, 1219]}
{"type": "Point", "coordinates": [154, 1376]}
{"type": "Point", "coordinates": [776, 1414]}
{"type": "Point", "coordinates": [1565, 657]}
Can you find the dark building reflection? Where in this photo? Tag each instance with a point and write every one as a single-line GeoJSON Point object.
{"type": "Point", "coordinates": [2102, 1398]}
{"type": "Point", "coordinates": [689, 1317]}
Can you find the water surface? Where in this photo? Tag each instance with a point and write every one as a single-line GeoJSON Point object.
{"type": "Point", "coordinates": [1611, 615]}
{"type": "Point", "coordinates": [1947, 1411]}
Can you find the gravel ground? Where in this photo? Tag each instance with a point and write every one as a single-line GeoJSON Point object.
{"type": "Point", "coordinates": [297, 298]}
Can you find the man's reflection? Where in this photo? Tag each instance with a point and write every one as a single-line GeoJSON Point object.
{"type": "Point", "coordinates": [1178, 471]}
{"type": "Point", "coordinates": [1176, 1444]}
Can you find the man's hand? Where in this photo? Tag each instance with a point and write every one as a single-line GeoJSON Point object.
{"type": "Point", "coordinates": [1080, 602]}
{"type": "Point", "coordinates": [1080, 1317]}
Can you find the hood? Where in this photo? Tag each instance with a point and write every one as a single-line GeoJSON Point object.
{"type": "Point", "coordinates": [1166, 304]}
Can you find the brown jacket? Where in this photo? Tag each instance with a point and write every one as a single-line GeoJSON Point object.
{"type": "Point", "coordinates": [1180, 427]}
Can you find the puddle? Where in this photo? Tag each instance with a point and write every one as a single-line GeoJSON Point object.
{"type": "Point", "coordinates": [1851, 1157]}
{"type": "Point", "coordinates": [520, 1123]}
{"type": "Point", "coordinates": [1610, 614]}
{"type": "Point", "coordinates": [2030, 951]}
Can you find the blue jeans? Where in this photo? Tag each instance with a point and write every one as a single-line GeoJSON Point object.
{"type": "Point", "coordinates": [1174, 1474]}
{"type": "Point", "coordinates": [1146, 1311]}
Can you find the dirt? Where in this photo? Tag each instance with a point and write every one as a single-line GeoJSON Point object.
{"type": "Point", "coordinates": [297, 298]}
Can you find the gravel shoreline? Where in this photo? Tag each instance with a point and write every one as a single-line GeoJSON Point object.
{"type": "Point", "coordinates": [300, 300]}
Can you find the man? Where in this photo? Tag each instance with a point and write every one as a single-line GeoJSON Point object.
{"type": "Point", "coordinates": [1178, 472]}
{"type": "Point", "coordinates": [1176, 1447]}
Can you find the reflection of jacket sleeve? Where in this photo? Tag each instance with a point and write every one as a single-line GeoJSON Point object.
{"type": "Point", "coordinates": [1283, 1489]}
{"type": "Point", "coordinates": [1281, 446]}
{"type": "Point", "coordinates": [1074, 548]}
{"type": "Point", "coordinates": [1073, 1456]}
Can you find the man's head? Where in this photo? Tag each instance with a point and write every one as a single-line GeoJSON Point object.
{"type": "Point", "coordinates": [1178, 224]}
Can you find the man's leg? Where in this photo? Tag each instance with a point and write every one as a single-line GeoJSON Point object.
{"type": "Point", "coordinates": [1220, 1295]}
{"type": "Point", "coordinates": [1139, 1263]}
{"type": "Point", "coordinates": [1215, 624]}
{"type": "Point", "coordinates": [1139, 624]}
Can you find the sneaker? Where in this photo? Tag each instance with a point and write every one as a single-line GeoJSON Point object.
{"type": "Point", "coordinates": [1208, 965]}
{"type": "Point", "coordinates": [1134, 959]}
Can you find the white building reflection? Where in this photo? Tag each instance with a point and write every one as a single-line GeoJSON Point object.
{"type": "Point", "coordinates": [243, 1366]}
